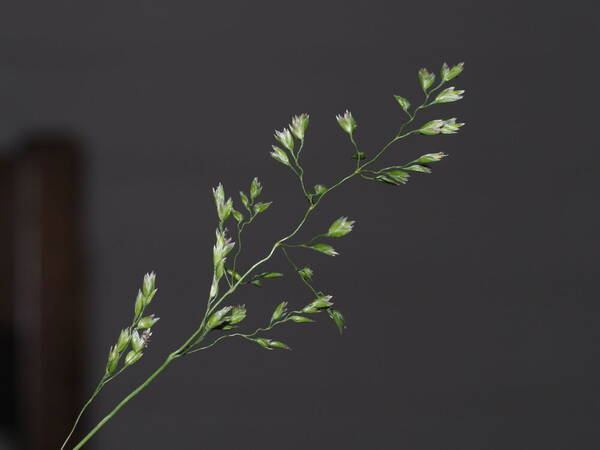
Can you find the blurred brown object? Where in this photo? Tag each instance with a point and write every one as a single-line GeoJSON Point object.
{"type": "Point", "coordinates": [41, 273]}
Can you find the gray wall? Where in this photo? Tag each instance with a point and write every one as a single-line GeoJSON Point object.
{"type": "Point", "coordinates": [471, 294]}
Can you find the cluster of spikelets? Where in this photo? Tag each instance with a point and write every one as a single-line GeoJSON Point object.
{"type": "Point", "coordinates": [132, 340]}
{"type": "Point", "coordinates": [137, 336]}
{"type": "Point", "coordinates": [290, 142]}
{"type": "Point", "coordinates": [228, 317]}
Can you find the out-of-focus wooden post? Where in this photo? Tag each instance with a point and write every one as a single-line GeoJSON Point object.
{"type": "Point", "coordinates": [47, 290]}
{"type": "Point", "coordinates": [8, 392]}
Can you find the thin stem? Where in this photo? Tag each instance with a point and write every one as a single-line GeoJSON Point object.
{"type": "Point", "coordinates": [226, 276]}
{"type": "Point", "coordinates": [287, 256]}
{"type": "Point", "coordinates": [123, 402]}
{"type": "Point", "coordinates": [213, 343]}
{"type": "Point", "coordinates": [300, 172]}
{"type": "Point", "coordinates": [248, 336]}
{"type": "Point", "coordinates": [385, 147]}
{"type": "Point", "coordinates": [89, 401]}
{"type": "Point", "coordinates": [314, 238]}
{"type": "Point", "coordinates": [103, 382]}
{"type": "Point", "coordinates": [238, 250]}
{"type": "Point", "coordinates": [356, 151]}
{"type": "Point", "coordinates": [240, 228]}
{"type": "Point", "coordinates": [232, 289]}
{"type": "Point", "coordinates": [297, 157]}
{"type": "Point", "coordinates": [421, 106]}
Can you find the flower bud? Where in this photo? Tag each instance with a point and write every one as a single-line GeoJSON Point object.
{"type": "Point", "coordinates": [450, 126]}
{"type": "Point", "coordinates": [426, 79]}
{"type": "Point", "coordinates": [225, 212]}
{"type": "Point", "coordinates": [223, 245]}
{"type": "Point", "coordinates": [404, 103]}
{"type": "Point", "coordinates": [224, 208]}
{"type": "Point", "coordinates": [244, 199]}
{"type": "Point", "coordinates": [346, 122]}
{"type": "Point", "coordinates": [255, 188]}
{"type": "Point", "coordinates": [417, 168]}
{"type": "Point", "coordinates": [132, 357]}
{"type": "Point", "coordinates": [219, 195]}
{"type": "Point", "coordinates": [277, 344]}
{"type": "Point", "coordinates": [270, 344]}
{"type": "Point", "coordinates": [322, 302]}
{"type": "Point", "coordinates": [449, 95]}
{"type": "Point", "coordinates": [279, 155]}
{"type": "Point", "coordinates": [238, 216]}
{"type": "Point", "coordinates": [299, 125]}
{"type": "Point", "coordinates": [445, 72]}
{"type": "Point", "coordinates": [279, 312]}
{"type": "Point", "coordinates": [113, 354]}
{"type": "Point", "coordinates": [395, 177]}
{"type": "Point", "coordinates": [261, 207]}
{"type": "Point", "coordinates": [123, 340]}
{"type": "Point", "coordinates": [300, 319]}
{"type": "Point", "coordinates": [238, 313]}
{"type": "Point", "coordinates": [320, 189]}
{"type": "Point", "coordinates": [149, 282]}
{"type": "Point", "coordinates": [317, 304]}
{"type": "Point", "coordinates": [113, 360]}
{"type": "Point", "coordinates": [441, 126]}
{"type": "Point", "coordinates": [140, 303]}
{"type": "Point", "coordinates": [217, 318]}
{"type": "Point", "coordinates": [270, 275]}
{"type": "Point", "coordinates": [340, 227]}
{"type": "Point", "coordinates": [338, 319]}
{"type": "Point", "coordinates": [285, 138]}
{"type": "Point", "coordinates": [430, 157]}
{"type": "Point", "coordinates": [324, 248]}
{"type": "Point", "coordinates": [263, 342]}
{"type": "Point", "coordinates": [148, 321]}
{"type": "Point", "coordinates": [233, 274]}
{"type": "Point", "coordinates": [306, 273]}
{"type": "Point", "coordinates": [450, 73]}
{"type": "Point", "coordinates": [432, 127]}
{"type": "Point", "coordinates": [137, 343]}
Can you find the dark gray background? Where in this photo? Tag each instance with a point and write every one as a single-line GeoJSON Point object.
{"type": "Point", "coordinates": [471, 294]}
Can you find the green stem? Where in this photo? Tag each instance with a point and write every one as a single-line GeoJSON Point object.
{"type": "Point", "coordinates": [226, 278]}
{"type": "Point", "coordinates": [123, 402]}
{"type": "Point", "coordinates": [215, 342]}
{"type": "Point", "coordinates": [421, 106]}
{"type": "Point", "coordinates": [246, 335]}
{"type": "Point", "coordinates": [232, 289]}
{"type": "Point", "coordinates": [384, 148]}
{"type": "Point", "coordinates": [240, 228]}
{"type": "Point", "coordinates": [300, 172]}
{"type": "Point", "coordinates": [312, 289]}
{"type": "Point", "coordinates": [356, 151]}
{"type": "Point", "coordinates": [314, 238]}
{"type": "Point", "coordinates": [90, 400]}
